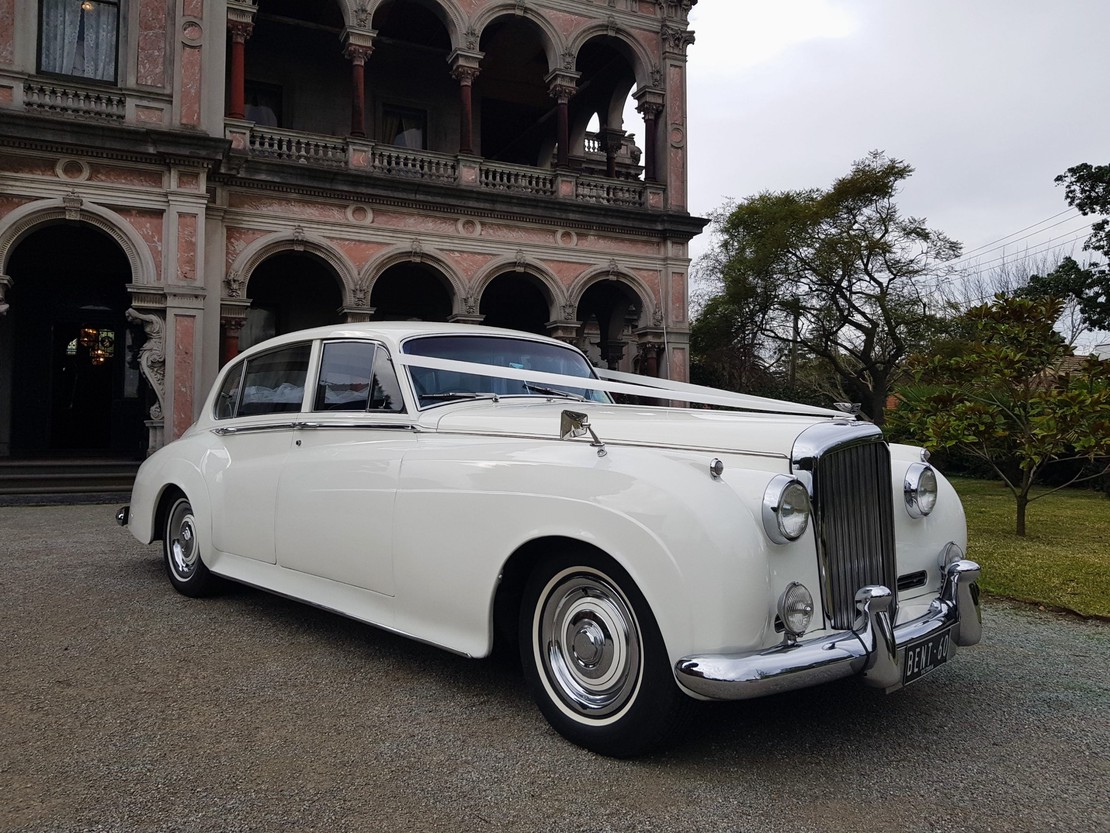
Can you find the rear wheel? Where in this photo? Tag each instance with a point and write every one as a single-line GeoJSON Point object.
{"type": "Point", "coordinates": [181, 547]}
{"type": "Point", "coordinates": [595, 659]}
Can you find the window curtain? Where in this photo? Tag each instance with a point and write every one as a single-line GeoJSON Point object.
{"type": "Point", "coordinates": [79, 41]}
{"type": "Point", "coordinates": [61, 26]}
{"type": "Point", "coordinates": [100, 41]}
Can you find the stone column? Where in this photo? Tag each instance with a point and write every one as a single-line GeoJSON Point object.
{"type": "Point", "coordinates": [357, 55]}
{"type": "Point", "coordinates": [465, 66]}
{"type": "Point", "coordinates": [561, 86]}
{"type": "Point", "coordinates": [650, 106]}
{"type": "Point", "coordinates": [611, 142]}
{"type": "Point", "coordinates": [237, 92]}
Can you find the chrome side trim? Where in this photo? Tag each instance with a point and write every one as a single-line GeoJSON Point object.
{"type": "Point", "coordinates": [377, 426]}
{"type": "Point", "coordinates": [225, 430]}
{"type": "Point", "coordinates": [874, 650]}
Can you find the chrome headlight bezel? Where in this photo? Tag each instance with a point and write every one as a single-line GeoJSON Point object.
{"type": "Point", "coordinates": [920, 490]}
{"type": "Point", "coordinates": [796, 609]}
{"type": "Point", "coordinates": [786, 509]}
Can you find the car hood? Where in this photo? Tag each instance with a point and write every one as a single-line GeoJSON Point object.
{"type": "Point", "coordinates": [695, 429]}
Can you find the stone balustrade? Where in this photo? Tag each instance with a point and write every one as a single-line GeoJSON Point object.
{"type": "Point", "coordinates": [67, 100]}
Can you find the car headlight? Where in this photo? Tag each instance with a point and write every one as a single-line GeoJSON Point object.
{"type": "Point", "coordinates": [920, 490]}
{"type": "Point", "coordinates": [785, 509]}
{"type": "Point", "coordinates": [796, 608]}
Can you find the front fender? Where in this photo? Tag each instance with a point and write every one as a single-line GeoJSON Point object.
{"type": "Point", "coordinates": [692, 543]}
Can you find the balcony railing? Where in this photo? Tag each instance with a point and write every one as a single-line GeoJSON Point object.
{"type": "Point", "coordinates": [386, 160]}
{"type": "Point", "coordinates": [516, 178]}
{"type": "Point", "coordinates": [433, 167]}
{"type": "Point", "coordinates": [289, 146]}
{"type": "Point", "coordinates": [57, 99]}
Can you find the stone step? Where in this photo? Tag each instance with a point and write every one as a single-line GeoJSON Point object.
{"type": "Point", "coordinates": [56, 476]}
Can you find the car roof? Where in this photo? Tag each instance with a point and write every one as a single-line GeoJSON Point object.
{"type": "Point", "coordinates": [393, 333]}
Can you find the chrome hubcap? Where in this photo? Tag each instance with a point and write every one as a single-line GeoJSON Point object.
{"type": "Point", "coordinates": [182, 544]}
{"type": "Point", "coordinates": [590, 644]}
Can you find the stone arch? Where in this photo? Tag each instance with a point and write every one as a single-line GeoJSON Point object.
{"type": "Point", "coordinates": [554, 45]}
{"type": "Point", "coordinates": [414, 254]}
{"type": "Point", "coordinates": [26, 219]}
{"type": "Point", "coordinates": [360, 15]}
{"type": "Point", "coordinates": [297, 241]}
{"type": "Point", "coordinates": [612, 272]}
{"type": "Point", "coordinates": [611, 306]}
{"type": "Point", "coordinates": [543, 277]}
{"type": "Point", "coordinates": [518, 294]}
{"type": "Point", "coordinates": [636, 53]}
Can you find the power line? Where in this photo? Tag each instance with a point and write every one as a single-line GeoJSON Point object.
{"type": "Point", "coordinates": [966, 259]}
{"type": "Point", "coordinates": [1019, 231]}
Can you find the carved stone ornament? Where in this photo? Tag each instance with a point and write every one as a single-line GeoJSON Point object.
{"type": "Point", "coordinates": [5, 284]}
{"type": "Point", "coordinates": [416, 251]}
{"type": "Point", "coordinates": [570, 311]}
{"type": "Point", "coordinates": [72, 204]}
{"type": "Point", "coordinates": [362, 15]}
{"type": "Point", "coordinates": [470, 304]}
{"type": "Point", "coordinates": [521, 261]}
{"type": "Point", "coordinates": [298, 239]}
{"type": "Point", "coordinates": [657, 317]}
{"type": "Point", "coordinates": [152, 356]}
{"type": "Point", "coordinates": [233, 285]}
{"type": "Point", "coordinates": [471, 39]}
{"type": "Point", "coordinates": [361, 293]}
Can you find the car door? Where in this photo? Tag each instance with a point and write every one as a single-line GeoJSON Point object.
{"type": "Point", "coordinates": [339, 480]}
{"type": "Point", "coordinates": [258, 408]}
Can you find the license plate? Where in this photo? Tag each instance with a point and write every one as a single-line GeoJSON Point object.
{"type": "Point", "coordinates": [922, 657]}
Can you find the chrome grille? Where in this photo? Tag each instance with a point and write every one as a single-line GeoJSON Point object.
{"type": "Point", "coordinates": [853, 513]}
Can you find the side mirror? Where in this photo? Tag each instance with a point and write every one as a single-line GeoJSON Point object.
{"type": "Point", "coordinates": [573, 424]}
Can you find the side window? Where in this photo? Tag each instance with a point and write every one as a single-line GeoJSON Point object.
{"type": "Point", "coordinates": [357, 376]}
{"type": "Point", "coordinates": [274, 382]}
{"type": "Point", "coordinates": [228, 397]}
{"type": "Point", "coordinates": [79, 37]}
{"type": "Point", "coordinates": [385, 395]}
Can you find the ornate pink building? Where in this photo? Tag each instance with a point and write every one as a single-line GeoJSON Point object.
{"type": "Point", "coordinates": [182, 178]}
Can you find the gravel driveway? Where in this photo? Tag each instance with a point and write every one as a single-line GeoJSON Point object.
{"type": "Point", "coordinates": [127, 707]}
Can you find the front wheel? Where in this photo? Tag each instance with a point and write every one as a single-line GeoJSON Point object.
{"type": "Point", "coordinates": [595, 660]}
{"type": "Point", "coordinates": [181, 547]}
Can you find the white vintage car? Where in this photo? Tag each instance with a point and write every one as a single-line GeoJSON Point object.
{"type": "Point", "coordinates": [464, 485]}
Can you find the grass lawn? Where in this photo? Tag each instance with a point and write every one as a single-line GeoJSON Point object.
{"type": "Point", "coordinates": [1062, 562]}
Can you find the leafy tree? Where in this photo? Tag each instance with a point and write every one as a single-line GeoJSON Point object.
{"type": "Point", "coordinates": [1087, 188]}
{"type": "Point", "coordinates": [1088, 286]}
{"type": "Point", "coordinates": [839, 275]}
{"type": "Point", "coordinates": [1011, 400]}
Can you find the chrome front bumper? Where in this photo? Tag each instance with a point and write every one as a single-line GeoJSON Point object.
{"type": "Point", "coordinates": [875, 651]}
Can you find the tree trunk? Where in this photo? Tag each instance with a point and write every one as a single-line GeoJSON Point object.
{"type": "Point", "coordinates": [1022, 505]}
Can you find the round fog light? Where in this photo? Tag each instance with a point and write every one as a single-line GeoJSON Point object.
{"type": "Point", "coordinates": [796, 608]}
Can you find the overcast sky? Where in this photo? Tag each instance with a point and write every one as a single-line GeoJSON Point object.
{"type": "Point", "coordinates": [987, 99]}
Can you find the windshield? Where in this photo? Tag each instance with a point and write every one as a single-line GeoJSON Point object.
{"type": "Point", "coordinates": [436, 386]}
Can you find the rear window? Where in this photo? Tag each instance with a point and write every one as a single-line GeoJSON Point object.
{"type": "Point", "coordinates": [271, 383]}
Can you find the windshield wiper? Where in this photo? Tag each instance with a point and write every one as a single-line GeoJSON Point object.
{"type": "Point", "coordinates": [457, 394]}
{"type": "Point", "coordinates": [528, 386]}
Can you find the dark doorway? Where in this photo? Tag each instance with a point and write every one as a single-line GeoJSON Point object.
{"type": "Point", "coordinates": [290, 291]}
{"type": "Point", "coordinates": [512, 300]}
{"type": "Point", "coordinates": [411, 291]}
{"type": "Point", "coordinates": [75, 385]}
